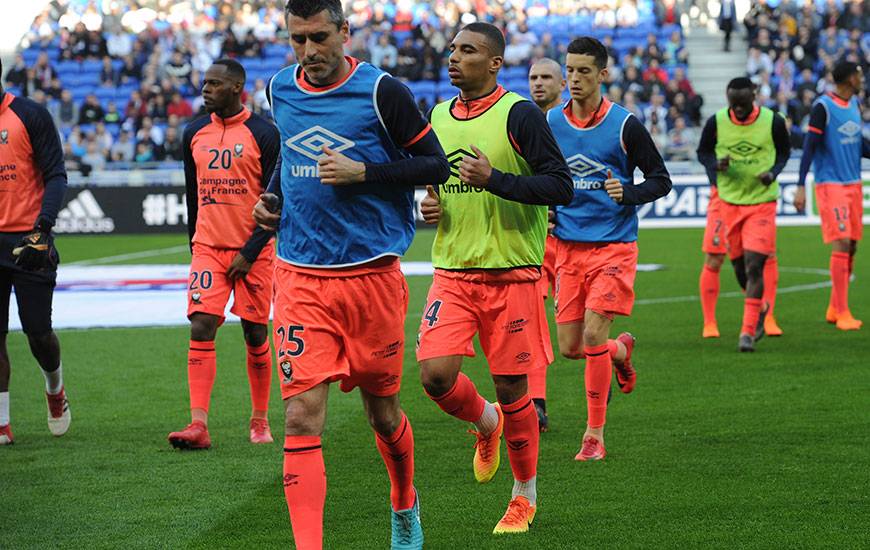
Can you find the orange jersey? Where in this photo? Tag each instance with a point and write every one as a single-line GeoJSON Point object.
{"type": "Point", "coordinates": [31, 160]}
{"type": "Point", "coordinates": [227, 165]}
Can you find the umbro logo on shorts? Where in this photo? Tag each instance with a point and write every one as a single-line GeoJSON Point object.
{"type": "Point", "coordinates": [310, 142]}
{"type": "Point", "coordinates": [582, 166]}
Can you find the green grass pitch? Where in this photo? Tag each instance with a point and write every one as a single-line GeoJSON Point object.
{"type": "Point", "coordinates": [713, 449]}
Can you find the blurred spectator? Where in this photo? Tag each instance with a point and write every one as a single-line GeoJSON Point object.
{"type": "Point", "coordinates": [102, 137]}
{"type": "Point", "coordinates": [178, 67]}
{"type": "Point", "coordinates": [119, 44]}
{"type": "Point", "coordinates": [172, 147]}
{"type": "Point", "coordinates": [130, 71]}
{"type": "Point", "coordinates": [17, 75]}
{"type": "Point", "coordinates": [54, 89]}
{"type": "Point", "coordinates": [656, 114]}
{"type": "Point", "coordinates": [180, 107]}
{"type": "Point", "coordinates": [64, 112]}
{"type": "Point", "coordinates": [681, 142]}
{"type": "Point", "coordinates": [94, 156]}
{"type": "Point", "coordinates": [384, 54]}
{"type": "Point", "coordinates": [517, 52]}
{"type": "Point", "coordinates": [112, 115]}
{"type": "Point", "coordinates": [91, 111]}
{"type": "Point", "coordinates": [149, 133]}
{"type": "Point", "coordinates": [72, 162]}
{"type": "Point", "coordinates": [143, 152]}
{"type": "Point", "coordinates": [123, 150]}
{"type": "Point", "coordinates": [408, 61]}
{"type": "Point", "coordinates": [757, 62]}
{"type": "Point", "coordinates": [108, 75]}
{"type": "Point", "coordinates": [43, 71]}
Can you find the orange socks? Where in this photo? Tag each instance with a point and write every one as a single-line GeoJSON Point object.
{"type": "Point", "coordinates": [201, 368]}
{"type": "Point", "coordinates": [840, 281]}
{"type": "Point", "coordinates": [260, 375]}
{"type": "Point", "coordinates": [709, 286]}
{"type": "Point", "coordinates": [462, 400]}
{"type": "Point", "coordinates": [538, 383]}
{"type": "Point", "coordinates": [305, 489]}
{"type": "Point", "coordinates": [597, 376]}
{"type": "Point", "coordinates": [522, 436]}
{"type": "Point", "coordinates": [771, 280]}
{"type": "Point", "coordinates": [751, 311]}
{"type": "Point", "coordinates": [398, 454]}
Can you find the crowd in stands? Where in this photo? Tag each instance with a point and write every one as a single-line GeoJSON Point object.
{"type": "Point", "coordinates": [121, 78]}
{"type": "Point", "coordinates": [793, 49]}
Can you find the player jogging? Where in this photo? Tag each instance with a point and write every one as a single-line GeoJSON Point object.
{"type": "Point", "coordinates": [743, 148]}
{"type": "Point", "coordinates": [354, 146]}
{"type": "Point", "coordinates": [229, 156]}
{"type": "Point", "coordinates": [492, 223]}
{"type": "Point", "coordinates": [834, 145]}
{"type": "Point", "coordinates": [546, 84]}
{"type": "Point", "coordinates": [32, 184]}
{"type": "Point", "coordinates": [596, 255]}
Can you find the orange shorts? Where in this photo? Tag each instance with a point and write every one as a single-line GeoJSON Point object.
{"type": "Point", "coordinates": [346, 326]}
{"type": "Point", "coordinates": [714, 235]}
{"type": "Point", "coordinates": [750, 227]}
{"type": "Point", "coordinates": [547, 282]}
{"type": "Point", "coordinates": [508, 317]}
{"type": "Point", "coordinates": [208, 289]}
{"type": "Point", "coordinates": [841, 208]}
{"type": "Point", "coordinates": [596, 276]}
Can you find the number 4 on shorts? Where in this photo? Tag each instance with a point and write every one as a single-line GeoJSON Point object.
{"type": "Point", "coordinates": [432, 312]}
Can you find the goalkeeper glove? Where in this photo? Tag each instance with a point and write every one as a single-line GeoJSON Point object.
{"type": "Point", "coordinates": [36, 251]}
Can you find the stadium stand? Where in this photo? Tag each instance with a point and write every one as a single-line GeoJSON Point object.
{"type": "Point", "coordinates": [792, 48]}
{"type": "Point", "coordinates": [127, 77]}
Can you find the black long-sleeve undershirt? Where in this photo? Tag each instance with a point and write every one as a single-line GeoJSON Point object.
{"type": "Point", "coordinates": [642, 153]}
{"type": "Point", "coordinates": [550, 184]}
{"type": "Point", "coordinates": [707, 147]}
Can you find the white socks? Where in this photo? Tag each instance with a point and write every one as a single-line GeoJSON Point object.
{"type": "Point", "coordinates": [488, 421]}
{"type": "Point", "coordinates": [54, 380]}
{"type": "Point", "coordinates": [4, 408]}
{"type": "Point", "coordinates": [528, 489]}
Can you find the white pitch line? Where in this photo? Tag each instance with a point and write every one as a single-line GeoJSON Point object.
{"type": "Point", "coordinates": [695, 298]}
{"type": "Point", "coordinates": [132, 255]}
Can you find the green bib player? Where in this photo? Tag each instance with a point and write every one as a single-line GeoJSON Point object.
{"type": "Point", "coordinates": [506, 168]}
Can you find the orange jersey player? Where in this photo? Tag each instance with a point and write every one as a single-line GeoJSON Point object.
{"type": "Point", "coordinates": [229, 156]}
{"type": "Point", "coordinates": [32, 184]}
{"type": "Point", "coordinates": [546, 85]}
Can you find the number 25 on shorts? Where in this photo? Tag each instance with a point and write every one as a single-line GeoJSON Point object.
{"type": "Point", "coordinates": [289, 338]}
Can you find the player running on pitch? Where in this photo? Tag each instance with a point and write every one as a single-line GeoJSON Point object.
{"type": "Point", "coordinates": [354, 147]}
{"type": "Point", "coordinates": [546, 84]}
{"type": "Point", "coordinates": [596, 253]}
{"type": "Point", "coordinates": [229, 156]}
{"type": "Point", "coordinates": [743, 148]}
{"type": "Point", "coordinates": [492, 223]}
{"type": "Point", "coordinates": [834, 145]}
{"type": "Point", "coordinates": [32, 184]}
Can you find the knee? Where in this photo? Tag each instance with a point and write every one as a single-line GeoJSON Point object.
{"type": "Point", "coordinates": [509, 389]}
{"type": "Point", "coordinates": [256, 335]}
{"type": "Point", "coordinates": [298, 420]}
{"type": "Point", "coordinates": [39, 341]}
{"type": "Point", "coordinates": [714, 261]}
{"type": "Point", "coordinates": [385, 422]}
{"type": "Point", "coordinates": [574, 351]}
{"type": "Point", "coordinates": [202, 328]}
{"type": "Point", "coordinates": [436, 382]}
{"type": "Point", "coordinates": [594, 337]}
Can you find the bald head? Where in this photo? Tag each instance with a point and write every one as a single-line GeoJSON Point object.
{"type": "Point", "coordinates": [546, 83]}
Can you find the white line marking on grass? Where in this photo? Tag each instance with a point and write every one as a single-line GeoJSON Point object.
{"type": "Point", "coordinates": [132, 255]}
{"type": "Point", "coordinates": [738, 294]}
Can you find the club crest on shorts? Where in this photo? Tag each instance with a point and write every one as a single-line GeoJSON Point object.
{"type": "Point", "coordinates": [716, 240]}
{"type": "Point", "coordinates": [195, 297]}
{"type": "Point", "coordinates": [842, 226]}
{"type": "Point", "coordinates": [237, 150]}
{"type": "Point", "coordinates": [287, 371]}
{"type": "Point", "coordinates": [4, 136]}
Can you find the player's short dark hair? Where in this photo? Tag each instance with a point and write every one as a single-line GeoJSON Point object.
{"type": "Point", "coordinates": [843, 70]}
{"type": "Point", "coordinates": [310, 8]}
{"type": "Point", "coordinates": [741, 83]}
{"type": "Point", "coordinates": [494, 36]}
{"type": "Point", "coordinates": [234, 68]}
{"type": "Point", "coordinates": [587, 45]}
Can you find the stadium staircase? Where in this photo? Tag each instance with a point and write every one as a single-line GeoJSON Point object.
{"type": "Point", "coordinates": [710, 68]}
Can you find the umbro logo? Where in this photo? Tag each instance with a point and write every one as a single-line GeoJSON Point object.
{"type": "Point", "coordinates": [454, 158]}
{"type": "Point", "coordinates": [517, 444]}
{"type": "Point", "coordinates": [582, 166]}
{"type": "Point", "coordinates": [850, 129]}
{"type": "Point", "coordinates": [84, 215]}
{"type": "Point", "coordinates": [744, 148]}
{"type": "Point", "coordinates": [311, 141]}
{"type": "Point", "coordinates": [290, 479]}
